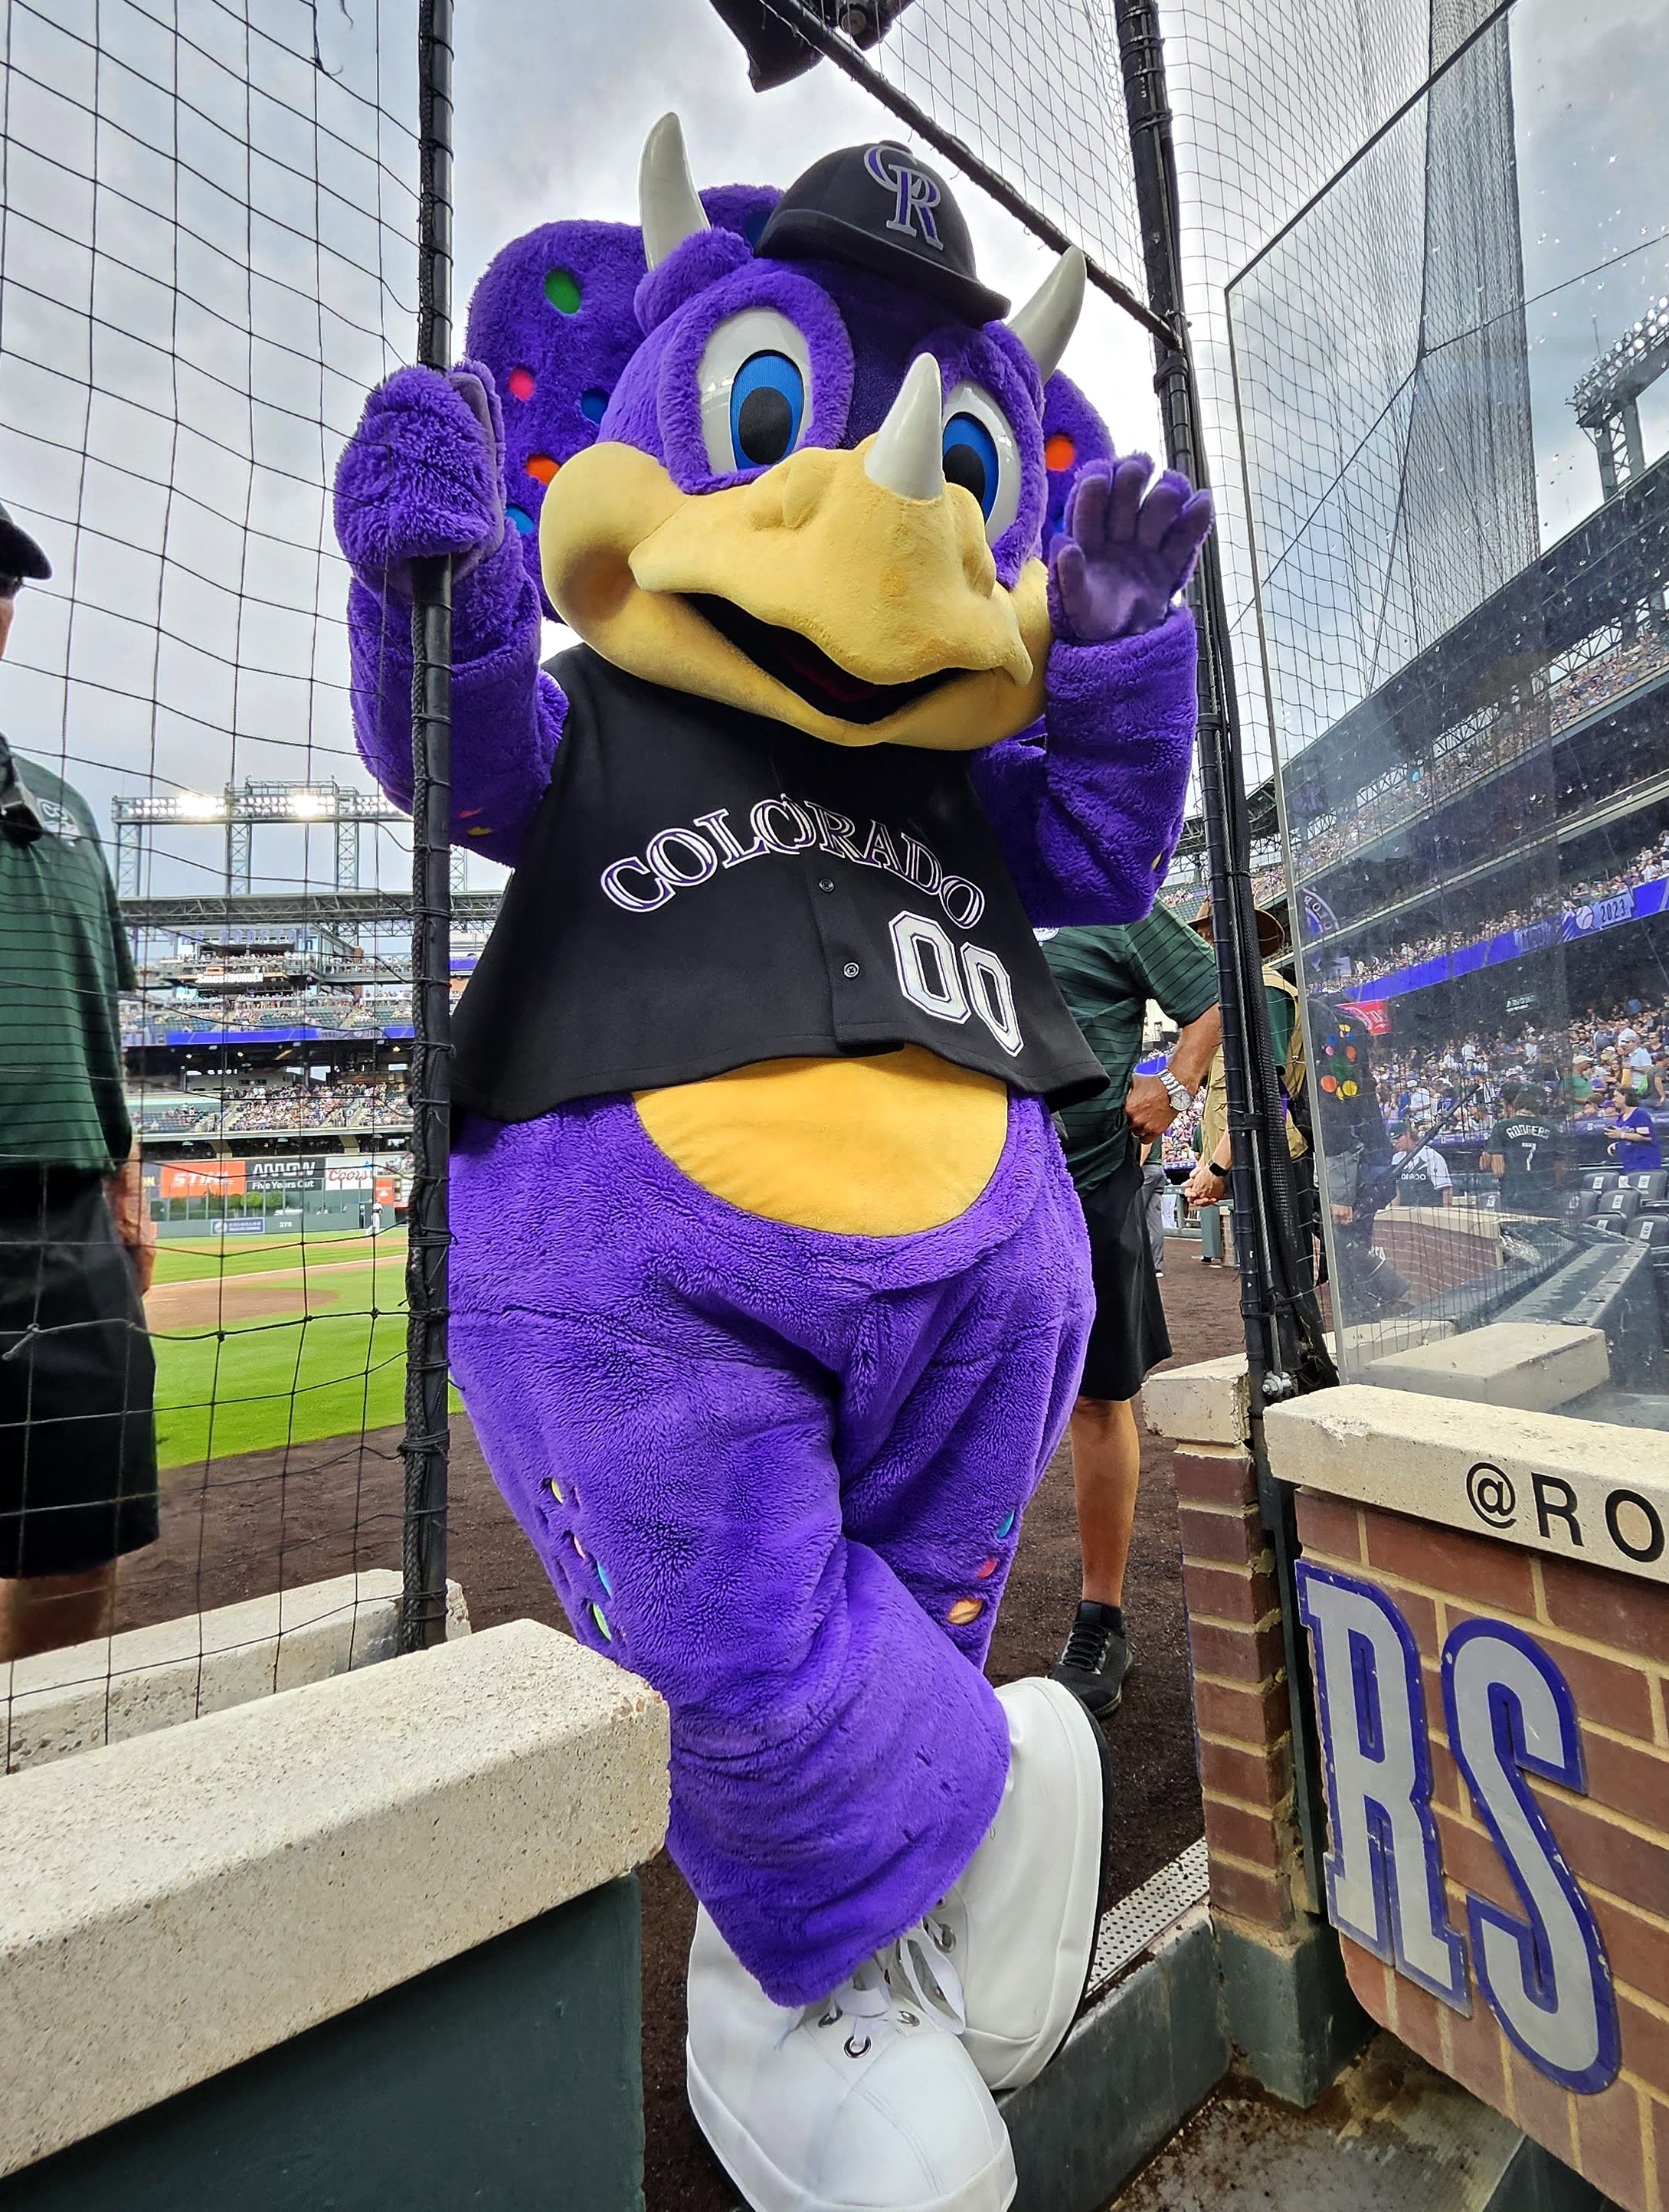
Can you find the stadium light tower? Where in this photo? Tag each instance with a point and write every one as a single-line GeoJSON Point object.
{"type": "Point", "coordinates": [238, 810]}
{"type": "Point", "coordinates": [1607, 400]}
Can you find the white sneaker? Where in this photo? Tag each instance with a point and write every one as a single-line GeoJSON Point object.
{"type": "Point", "coordinates": [1019, 1927]}
{"type": "Point", "coordinates": [865, 2103]}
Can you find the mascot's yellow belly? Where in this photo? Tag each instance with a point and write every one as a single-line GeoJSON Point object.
{"type": "Point", "coordinates": [873, 1147]}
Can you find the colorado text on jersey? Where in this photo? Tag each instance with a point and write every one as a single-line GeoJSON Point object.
{"type": "Point", "coordinates": [677, 858]}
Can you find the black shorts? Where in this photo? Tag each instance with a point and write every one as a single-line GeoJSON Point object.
{"type": "Point", "coordinates": [1129, 1334]}
{"type": "Point", "coordinates": [78, 1380]}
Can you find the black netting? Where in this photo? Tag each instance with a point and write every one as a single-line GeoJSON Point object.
{"type": "Point", "coordinates": [207, 254]}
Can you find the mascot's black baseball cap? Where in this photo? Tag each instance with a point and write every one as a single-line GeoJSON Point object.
{"type": "Point", "coordinates": [881, 207]}
{"type": "Point", "coordinates": [18, 553]}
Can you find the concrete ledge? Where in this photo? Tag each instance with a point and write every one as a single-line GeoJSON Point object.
{"type": "Point", "coordinates": [1371, 1339]}
{"type": "Point", "coordinates": [1532, 1366]}
{"type": "Point", "coordinates": [1207, 1403]}
{"type": "Point", "coordinates": [1583, 1490]}
{"type": "Point", "coordinates": [172, 1905]}
{"type": "Point", "coordinates": [126, 1685]}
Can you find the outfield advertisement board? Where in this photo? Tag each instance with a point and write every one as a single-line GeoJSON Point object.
{"type": "Point", "coordinates": [349, 1174]}
{"type": "Point", "coordinates": [203, 1179]}
{"type": "Point", "coordinates": [286, 1172]}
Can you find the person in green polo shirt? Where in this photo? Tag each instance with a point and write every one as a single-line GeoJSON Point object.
{"type": "Point", "coordinates": [77, 1439]}
{"type": "Point", "coordinates": [1107, 976]}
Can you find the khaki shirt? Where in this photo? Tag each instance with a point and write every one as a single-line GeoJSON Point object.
{"type": "Point", "coordinates": [1287, 1035]}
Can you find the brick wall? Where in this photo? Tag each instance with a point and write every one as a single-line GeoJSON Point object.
{"type": "Point", "coordinates": [1240, 1690]}
{"type": "Point", "coordinates": [1609, 1635]}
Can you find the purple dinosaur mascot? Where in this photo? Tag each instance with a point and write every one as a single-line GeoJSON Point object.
{"type": "Point", "coordinates": [770, 1287]}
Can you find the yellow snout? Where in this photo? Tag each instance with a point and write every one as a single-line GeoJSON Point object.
{"type": "Point", "coordinates": [893, 590]}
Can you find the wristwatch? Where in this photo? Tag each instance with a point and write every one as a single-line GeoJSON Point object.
{"type": "Point", "coordinates": [1181, 1099]}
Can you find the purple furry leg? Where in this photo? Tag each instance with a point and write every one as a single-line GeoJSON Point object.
{"type": "Point", "coordinates": [771, 1471]}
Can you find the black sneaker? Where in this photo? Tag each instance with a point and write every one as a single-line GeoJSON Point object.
{"type": "Point", "coordinates": [1096, 1659]}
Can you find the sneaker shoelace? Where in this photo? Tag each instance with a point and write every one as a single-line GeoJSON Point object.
{"type": "Point", "coordinates": [862, 1996]}
{"type": "Point", "coordinates": [921, 1960]}
{"type": "Point", "coordinates": [910, 1981]}
{"type": "Point", "coordinates": [1088, 1646]}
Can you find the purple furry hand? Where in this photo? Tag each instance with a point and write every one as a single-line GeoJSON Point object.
{"type": "Point", "coordinates": [1122, 558]}
{"type": "Point", "coordinates": [423, 475]}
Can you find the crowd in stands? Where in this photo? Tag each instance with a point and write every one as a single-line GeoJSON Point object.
{"type": "Point", "coordinates": [1457, 1090]}
{"type": "Point", "coordinates": [154, 1016]}
{"type": "Point", "coordinates": [1600, 1053]}
{"type": "Point", "coordinates": [276, 1107]}
{"type": "Point", "coordinates": [151, 1019]}
{"type": "Point", "coordinates": [343, 1103]}
{"type": "Point", "coordinates": [1490, 741]}
{"type": "Point", "coordinates": [1649, 863]}
{"type": "Point", "coordinates": [156, 1118]}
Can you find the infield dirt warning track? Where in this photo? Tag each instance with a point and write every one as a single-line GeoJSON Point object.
{"type": "Point", "coordinates": [319, 1287]}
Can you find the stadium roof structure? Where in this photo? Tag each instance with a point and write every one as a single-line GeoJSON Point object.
{"type": "Point", "coordinates": [1263, 823]}
{"type": "Point", "coordinates": [1613, 561]}
{"type": "Point", "coordinates": [292, 909]}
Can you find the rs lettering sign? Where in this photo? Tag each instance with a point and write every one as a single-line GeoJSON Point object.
{"type": "Point", "coordinates": [1540, 1966]}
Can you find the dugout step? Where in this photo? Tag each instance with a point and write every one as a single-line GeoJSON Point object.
{"type": "Point", "coordinates": [1390, 2134]}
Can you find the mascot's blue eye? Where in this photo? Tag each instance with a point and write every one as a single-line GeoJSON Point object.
{"type": "Point", "coordinates": [970, 459]}
{"type": "Point", "coordinates": [767, 406]}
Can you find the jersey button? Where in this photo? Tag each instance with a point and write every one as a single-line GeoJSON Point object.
{"type": "Point", "coordinates": [826, 883]}
{"type": "Point", "coordinates": [850, 969]}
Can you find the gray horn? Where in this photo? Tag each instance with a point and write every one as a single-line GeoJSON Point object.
{"type": "Point", "coordinates": [668, 209]}
{"type": "Point", "coordinates": [1045, 324]}
{"type": "Point", "coordinates": [908, 457]}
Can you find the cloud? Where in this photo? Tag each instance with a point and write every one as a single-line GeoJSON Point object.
{"type": "Point", "coordinates": [553, 106]}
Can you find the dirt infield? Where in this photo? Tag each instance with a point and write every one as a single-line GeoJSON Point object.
{"type": "Point", "coordinates": [273, 1519]}
{"type": "Point", "coordinates": [178, 1308]}
{"type": "Point", "coordinates": [214, 1300]}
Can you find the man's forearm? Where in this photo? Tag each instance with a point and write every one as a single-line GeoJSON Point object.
{"type": "Point", "coordinates": [1196, 1044]}
{"type": "Point", "coordinates": [125, 1194]}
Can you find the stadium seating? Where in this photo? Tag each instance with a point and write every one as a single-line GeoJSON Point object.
{"type": "Point", "coordinates": [1619, 1205]}
{"type": "Point", "coordinates": [1650, 1183]}
{"type": "Point", "coordinates": [1581, 1205]}
{"type": "Point", "coordinates": [1600, 1179]}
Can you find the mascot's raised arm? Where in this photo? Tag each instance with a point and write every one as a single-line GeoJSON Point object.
{"type": "Point", "coordinates": [770, 1289]}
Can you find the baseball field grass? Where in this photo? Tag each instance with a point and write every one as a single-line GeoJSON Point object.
{"type": "Point", "coordinates": [198, 1260]}
{"type": "Point", "coordinates": [271, 1351]}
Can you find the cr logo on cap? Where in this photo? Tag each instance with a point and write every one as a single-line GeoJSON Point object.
{"type": "Point", "coordinates": [917, 195]}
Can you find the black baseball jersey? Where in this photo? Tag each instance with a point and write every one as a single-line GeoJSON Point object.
{"type": "Point", "coordinates": [701, 888]}
{"type": "Point", "coordinates": [1533, 1147]}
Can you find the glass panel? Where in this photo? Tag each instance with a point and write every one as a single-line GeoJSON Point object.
{"type": "Point", "coordinates": [1455, 424]}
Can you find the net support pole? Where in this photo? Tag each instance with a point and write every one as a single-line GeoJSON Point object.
{"type": "Point", "coordinates": [424, 1445]}
{"type": "Point", "coordinates": [1284, 1350]}
{"type": "Point", "coordinates": [1221, 780]}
